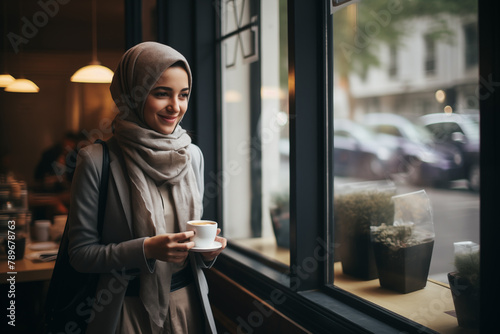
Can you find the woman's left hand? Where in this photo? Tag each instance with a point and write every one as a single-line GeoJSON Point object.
{"type": "Point", "coordinates": [209, 256]}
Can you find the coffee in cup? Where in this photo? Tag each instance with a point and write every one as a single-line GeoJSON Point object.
{"type": "Point", "coordinates": [205, 232]}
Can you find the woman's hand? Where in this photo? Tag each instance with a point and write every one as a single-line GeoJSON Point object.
{"type": "Point", "coordinates": [170, 247]}
{"type": "Point", "coordinates": [209, 256]}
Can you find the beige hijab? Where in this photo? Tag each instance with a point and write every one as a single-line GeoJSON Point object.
{"type": "Point", "coordinates": [152, 160]}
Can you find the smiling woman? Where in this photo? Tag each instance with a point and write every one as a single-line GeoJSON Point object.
{"type": "Point", "coordinates": [167, 101]}
{"type": "Point", "coordinates": [157, 175]}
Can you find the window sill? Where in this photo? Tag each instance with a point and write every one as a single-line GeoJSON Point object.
{"type": "Point", "coordinates": [431, 307]}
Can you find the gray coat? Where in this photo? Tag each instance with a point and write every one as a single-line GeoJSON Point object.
{"type": "Point", "coordinates": [118, 256]}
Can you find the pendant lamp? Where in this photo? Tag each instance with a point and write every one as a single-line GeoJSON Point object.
{"type": "Point", "coordinates": [21, 85]}
{"type": "Point", "coordinates": [94, 72]}
{"type": "Point", "coordinates": [6, 79]}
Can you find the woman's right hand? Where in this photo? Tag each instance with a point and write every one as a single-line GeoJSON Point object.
{"type": "Point", "coordinates": [170, 247]}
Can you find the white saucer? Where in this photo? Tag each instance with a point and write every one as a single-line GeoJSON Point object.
{"type": "Point", "coordinates": [215, 246]}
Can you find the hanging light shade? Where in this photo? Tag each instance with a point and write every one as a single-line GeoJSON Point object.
{"type": "Point", "coordinates": [6, 79]}
{"type": "Point", "coordinates": [94, 72]}
{"type": "Point", "coordinates": [22, 86]}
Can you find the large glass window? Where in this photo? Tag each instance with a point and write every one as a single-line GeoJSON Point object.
{"type": "Point", "coordinates": [402, 135]}
{"type": "Point", "coordinates": [255, 126]}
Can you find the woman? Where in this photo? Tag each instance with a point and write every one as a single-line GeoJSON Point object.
{"type": "Point", "coordinates": [149, 282]}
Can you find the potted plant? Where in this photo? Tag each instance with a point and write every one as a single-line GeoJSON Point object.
{"type": "Point", "coordinates": [280, 218]}
{"type": "Point", "coordinates": [402, 259]}
{"type": "Point", "coordinates": [357, 207]}
{"type": "Point", "coordinates": [464, 284]}
{"type": "Point", "coordinates": [403, 250]}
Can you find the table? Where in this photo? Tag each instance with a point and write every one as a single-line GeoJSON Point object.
{"type": "Point", "coordinates": [24, 291]}
{"type": "Point", "coordinates": [25, 270]}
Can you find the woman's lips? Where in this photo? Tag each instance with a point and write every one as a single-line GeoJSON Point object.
{"type": "Point", "coordinates": [168, 119]}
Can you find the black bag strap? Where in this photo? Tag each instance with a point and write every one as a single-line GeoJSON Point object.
{"type": "Point", "coordinates": [62, 264]}
{"type": "Point", "coordinates": [103, 187]}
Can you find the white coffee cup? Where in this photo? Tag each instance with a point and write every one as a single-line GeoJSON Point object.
{"type": "Point", "coordinates": [205, 232]}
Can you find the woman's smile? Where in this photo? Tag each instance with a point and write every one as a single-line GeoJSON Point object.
{"type": "Point", "coordinates": [168, 118]}
{"type": "Point", "coordinates": [167, 101]}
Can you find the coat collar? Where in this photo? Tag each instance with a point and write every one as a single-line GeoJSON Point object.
{"type": "Point", "coordinates": [117, 166]}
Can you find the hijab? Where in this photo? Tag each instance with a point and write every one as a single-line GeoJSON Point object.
{"type": "Point", "coordinates": [152, 160]}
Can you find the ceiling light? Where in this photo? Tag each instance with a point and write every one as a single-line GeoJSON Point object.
{"type": "Point", "coordinates": [94, 72]}
{"type": "Point", "coordinates": [22, 86]}
{"type": "Point", "coordinates": [6, 79]}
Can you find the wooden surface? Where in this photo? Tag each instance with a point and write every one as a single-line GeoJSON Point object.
{"type": "Point", "coordinates": [431, 306]}
{"type": "Point", "coordinates": [25, 270]}
{"type": "Point", "coordinates": [237, 310]}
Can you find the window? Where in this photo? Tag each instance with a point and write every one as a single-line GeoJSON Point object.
{"type": "Point", "coordinates": [354, 85]}
{"type": "Point", "coordinates": [393, 61]}
{"type": "Point", "coordinates": [420, 146]}
{"type": "Point", "coordinates": [471, 47]}
{"type": "Point", "coordinates": [255, 126]}
{"type": "Point", "coordinates": [430, 55]}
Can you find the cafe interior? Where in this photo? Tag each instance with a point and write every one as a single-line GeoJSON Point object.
{"type": "Point", "coordinates": [51, 113]}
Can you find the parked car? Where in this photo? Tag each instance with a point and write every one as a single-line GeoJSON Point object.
{"type": "Point", "coordinates": [462, 132]}
{"type": "Point", "coordinates": [359, 152]}
{"type": "Point", "coordinates": [421, 160]}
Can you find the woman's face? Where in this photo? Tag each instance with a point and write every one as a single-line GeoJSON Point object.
{"type": "Point", "coordinates": [167, 101]}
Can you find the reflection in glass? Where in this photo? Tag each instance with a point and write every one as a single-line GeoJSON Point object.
{"type": "Point", "coordinates": [255, 126]}
{"type": "Point", "coordinates": [405, 75]}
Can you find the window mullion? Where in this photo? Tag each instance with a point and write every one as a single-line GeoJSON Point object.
{"type": "Point", "coordinates": [307, 174]}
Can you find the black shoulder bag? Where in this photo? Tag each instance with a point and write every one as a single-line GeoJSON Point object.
{"type": "Point", "coordinates": [69, 290]}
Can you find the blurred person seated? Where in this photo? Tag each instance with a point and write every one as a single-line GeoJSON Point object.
{"type": "Point", "coordinates": [53, 175]}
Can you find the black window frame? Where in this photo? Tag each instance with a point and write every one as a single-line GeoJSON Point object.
{"type": "Point", "coordinates": [320, 307]}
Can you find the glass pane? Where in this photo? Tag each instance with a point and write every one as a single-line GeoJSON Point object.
{"type": "Point", "coordinates": [235, 14]}
{"type": "Point", "coordinates": [255, 128]}
{"type": "Point", "coordinates": [406, 122]}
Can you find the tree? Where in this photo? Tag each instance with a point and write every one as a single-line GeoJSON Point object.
{"type": "Point", "coordinates": [360, 28]}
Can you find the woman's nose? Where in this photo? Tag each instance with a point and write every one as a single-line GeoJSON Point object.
{"type": "Point", "coordinates": [174, 105]}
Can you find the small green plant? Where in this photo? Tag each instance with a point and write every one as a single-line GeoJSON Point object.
{"type": "Point", "coordinates": [467, 265]}
{"type": "Point", "coordinates": [393, 236]}
{"type": "Point", "coordinates": [399, 236]}
{"type": "Point", "coordinates": [356, 212]}
{"type": "Point", "coordinates": [281, 201]}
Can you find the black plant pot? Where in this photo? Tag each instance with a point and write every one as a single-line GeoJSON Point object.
{"type": "Point", "coordinates": [356, 255]}
{"type": "Point", "coordinates": [281, 227]}
{"type": "Point", "coordinates": [403, 269]}
{"type": "Point", "coordinates": [465, 299]}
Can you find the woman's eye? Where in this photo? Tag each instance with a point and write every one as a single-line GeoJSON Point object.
{"type": "Point", "coordinates": [161, 94]}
